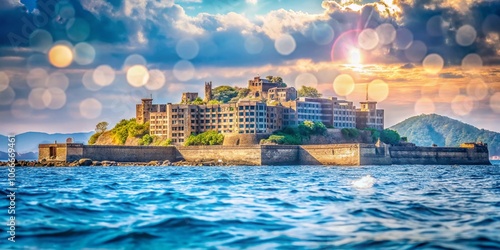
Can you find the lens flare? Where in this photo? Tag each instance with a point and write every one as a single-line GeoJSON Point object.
{"type": "Point", "coordinates": [424, 106]}
{"type": "Point", "coordinates": [472, 62]}
{"type": "Point", "coordinates": [285, 44]}
{"type": "Point", "coordinates": [156, 80]}
{"type": "Point", "coordinates": [462, 105]}
{"type": "Point", "coordinates": [495, 102]}
{"type": "Point", "coordinates": [184, 70]}
{"type": "Point", "coordinates": [187, 48]}
{"type": "Point", "coordinates": [103, 75]}
{"type": "Point", "coordinates": [433, 64]}
{"type": "Point", "coordinates": [368, 39]}
{"type": "Point", "coordinates": [90, 108]}
{"type": "Point", "coordinates": [253, 45]}
{"type": "Point", "coordinates": [378, 90]}
{"type": "Point", "coordinates": [7, 96]}
{"type": "Point", "coordinates": [137, 76]}
{"type": "Point", "coordinates": [60, 56]}
{"type": "Point", "coordinates": [466, 35]}
{"type": "Point", "coordinates": [4, 81]}
{"type": "Point", "coordinates": [477, 89]}
{"type": "Point", "coordinates": [306, 79]}
{"type": "Point", "coordinates": [343, 85]}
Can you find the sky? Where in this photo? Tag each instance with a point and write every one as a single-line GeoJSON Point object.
{"type": "Point", "coordinates": [67, 65]}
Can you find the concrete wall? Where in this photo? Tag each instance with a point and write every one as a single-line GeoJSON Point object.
{"type": "Point", "coordinates": [243, 139]}
{"type": "Point", "coordinates": [44, 152]}
{"type": "Point", "coordinates": [129, 153]}
{"type": "Point", "coordinates": [334, 154]}
{"type": "Point", "coordinates": [371, 155]}
{"type": "Point", "coordinates": [244, 155]}
{"type": "Point", "coordinates": [279, 155]}
{"type": "Point", "coordinates": [438, 155]}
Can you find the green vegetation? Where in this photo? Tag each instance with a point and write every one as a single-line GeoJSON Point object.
{"type": "Point", "coordinates": [350, 133]}
{"type": "Point", "coordinates": [212, 102]}
{"type": "Point", "coordinates": [224, 94]}
{"type": "Point", "coordinates": [197, 101]}
{"type": "Point", "coordinates": [295, 135]}
{"type": "Point", "coordinates": [375, 134]}
{"type": "Point", "coordinates": [389, 136]}
{"type": "Point", "coordinates": [93, 138]}
{"type": "Point", "coordinates": [100, 128]}
{"type": "Point", "coordinates": [206, 138]}
{"type": "Point", "coordinates": [307, 128]}
{"type": "Point", "coordinates": [146, 140]}
{"type": "Point", "coordinates": [425, 130]}
{"type": "Point", "coordinates": [128, 128]}
{"type": "Point", "coordinates": [305, 91]}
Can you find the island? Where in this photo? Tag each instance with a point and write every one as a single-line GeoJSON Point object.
{"type": "Point", "coordinates": [267, 123]}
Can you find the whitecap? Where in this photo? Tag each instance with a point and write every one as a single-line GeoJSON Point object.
{"type": "Point", "coordinates": [364, 182]}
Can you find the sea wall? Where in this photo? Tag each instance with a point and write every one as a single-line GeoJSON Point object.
{"type": "Point", "coordinates": [279, 155]}
{"type": "Point", "coordinates": [331, 154]}
{"type": "Point", "coordinates": [334, 154]}
{"type": "Point", "coordinates": [439, 155]}
{"type": "Point", "coordinates": [129, 153]}
{"type": "Point", "coordinates": [241, 155]}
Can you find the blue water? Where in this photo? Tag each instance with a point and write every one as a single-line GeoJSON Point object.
{"type": "Point", "coordinates": [288, 207]}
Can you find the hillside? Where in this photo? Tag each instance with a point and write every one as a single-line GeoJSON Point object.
{"type": "Point", "coordinates": [425, 130]}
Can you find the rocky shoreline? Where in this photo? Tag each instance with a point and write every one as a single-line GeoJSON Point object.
{"type": "Point", "coordinates": [90, 162]}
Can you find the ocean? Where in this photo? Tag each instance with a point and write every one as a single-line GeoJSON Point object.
{"type": "Point", "coordinates": [256, 207]}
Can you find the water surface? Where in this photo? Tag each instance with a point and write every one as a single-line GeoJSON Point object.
{"type": "Point", "coordinates": [269, 207]}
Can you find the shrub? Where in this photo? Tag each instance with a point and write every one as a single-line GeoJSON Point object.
{"type": "Point", "coordinates": [146, 140]}
{"type": "Point", "coordinates": [307, 128]}
{"type": "Point", "coordinates": [350, 133]}
{"type": "Point", "coordinates": [389, 136]}
{"type": "Point", "coordinates": [93, 138]}
{"type": "Point", "coordinates": [129, 128]}
{"type": "Point", "coordinates": [375, 134]}
{"type": "Point", "coordinates": [206, 138]}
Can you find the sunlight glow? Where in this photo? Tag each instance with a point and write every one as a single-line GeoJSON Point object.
{"type": "Point", "coordinates": [354, 56]}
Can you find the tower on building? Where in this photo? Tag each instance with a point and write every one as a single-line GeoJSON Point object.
{"type": "Point", "coordinates": [208, 91]}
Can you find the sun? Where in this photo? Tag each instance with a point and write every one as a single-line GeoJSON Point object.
{"type": "Point", "coordinates": [354, 56]}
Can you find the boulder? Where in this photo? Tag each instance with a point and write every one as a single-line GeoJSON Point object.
{"type": "Point", "coordinates": [85, 162]}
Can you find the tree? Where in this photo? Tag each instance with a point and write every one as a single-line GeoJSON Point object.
{"type": "Point", "coordinates": [101, 127]}
{"type": "Point", "coordinates": [277, 79]}
{"type": "Point", "coordinates": [305, 91]}
{"type": "Point", "coordinates": [270, 78]}
{"type": "Point", "coordinates": [389, 136]}
{"type": "Point", "coordinates": [197, 101]}
{"type": "Point", "coordinates": [224, 94]}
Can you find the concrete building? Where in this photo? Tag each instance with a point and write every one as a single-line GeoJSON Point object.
{"type": "Point", "coordinates": [259, 87]}
{"type": "Point", "coordinates": [179, 121]}
{"type": "Point", "coordinates": [188, 97]}
{"type": "Point", "coordinates": [344, 114]}
{"type": "Point", "coordinates": [282, 94]}
{"type": "Point", "coordinates": [368, 116]}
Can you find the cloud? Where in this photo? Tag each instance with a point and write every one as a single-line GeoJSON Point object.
{"type": "Point", "coordinates": [254, 2]}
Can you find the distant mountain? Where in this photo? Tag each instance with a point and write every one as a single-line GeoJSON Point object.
{"type": "Point", "coordinates": [26, 156]}
{"type": "Point", "coordinates": [425, 130]}
{"type": "Point", "coordinates": [28, 142]}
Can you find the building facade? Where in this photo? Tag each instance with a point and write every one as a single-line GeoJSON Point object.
{"type": "Point", "coordinates": [368, 116]}
{"type": "Point", "coordinates": [179, 121]}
